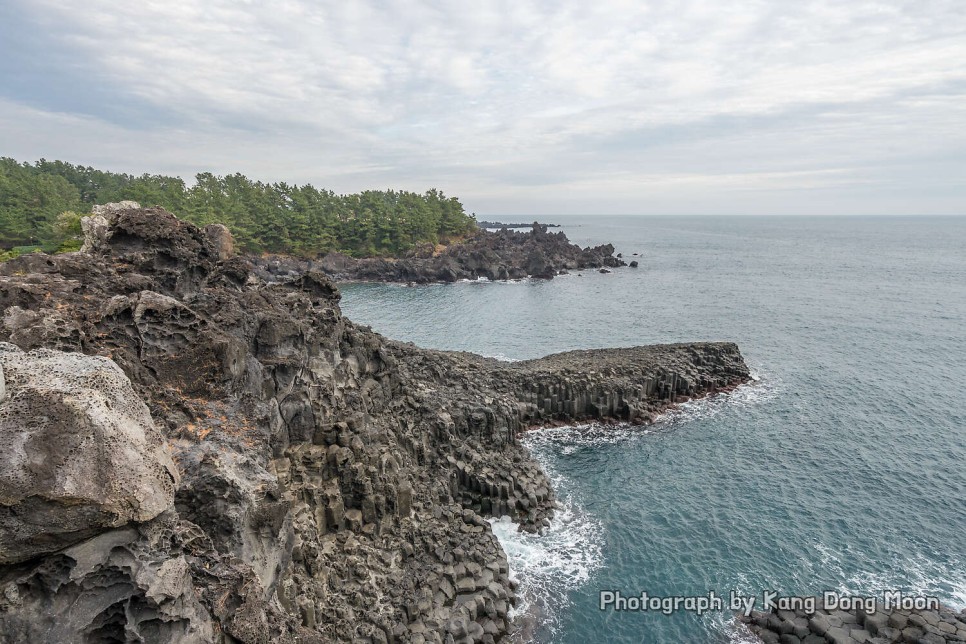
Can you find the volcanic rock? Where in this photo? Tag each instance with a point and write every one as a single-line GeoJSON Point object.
{"type": "Point", "coordinates": [500, 255]}
{"type": "Point", "coordinates": [328, 484]}
{"type": "Point", "coordinates": [81, 453]}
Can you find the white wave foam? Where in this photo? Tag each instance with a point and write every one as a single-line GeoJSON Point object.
{"type": "Point", "coordinates": [560, 559]}
{"type": "Point", "coordinates": [762, 388]}
{"type": "Point", "coordinates": [565, 556]}
{"type": "Point", "coordinates": [566, 553]}
{"type": "Point", "coordinates": [501, 357]}
{"type": "Point", "coordinates": [735, 631]}
{"type": "Point", "coordinates": [486, 280]}
{"type": "Point", "coordinates": [544, 443]}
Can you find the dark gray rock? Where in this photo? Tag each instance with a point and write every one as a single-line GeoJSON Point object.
{"type": "Point", "coordinates": [858, 626]}
{"type": "Point", "coordinates": [121, 585]}
{"type": "Point", "coordinates": [333, 484]}
{"type": "Point", "coordinates": [499, 255]}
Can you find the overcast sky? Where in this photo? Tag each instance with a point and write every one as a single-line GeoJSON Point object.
{"type": "Point", "coordinates": [603, 106]}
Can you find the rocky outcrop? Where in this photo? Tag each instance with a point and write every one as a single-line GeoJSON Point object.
{"type": "Point", "coordinates": [884, 625]}
{"type": "Point", "coordinates": [87, 479]}
{"type": "Point", "coordinates": [221, 239]}
{"type": "Point", "coordinates": [498, 225]}
{"type": "Point", "coordinates": [81, 453]}
{"type": "Point", "coordinates": [333, 485]}
{"type": "Point", "coordinates": [500, 255]}
{"type": "Point", "coordinates": [609, 385]}
{"type": "Point", "coordinates": [135, 583]}
{"type": "Point", "coordinates": [97, 228]}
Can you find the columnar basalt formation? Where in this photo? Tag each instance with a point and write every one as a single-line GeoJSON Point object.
{"type": "Point", "coordinates": [884, 625]}
{"type": "Point", "coordinates": [328, 484]}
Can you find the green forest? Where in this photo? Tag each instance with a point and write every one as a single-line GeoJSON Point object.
{"type": "Point", "coordinates": [41, 205]}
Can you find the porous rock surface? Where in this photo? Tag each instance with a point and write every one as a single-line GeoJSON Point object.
{"type": "Point", "coordinates": [334, 485]}
{"type": "Point", "coordinates": [501, 255]}
{"type": "Point", "coordinates": [80, 453]}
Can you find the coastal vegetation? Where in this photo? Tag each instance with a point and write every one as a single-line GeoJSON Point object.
{"type": "Point", "coordinates": [41, 205]}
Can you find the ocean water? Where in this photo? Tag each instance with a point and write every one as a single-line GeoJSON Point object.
{"type": "Point", "coordinates": [842, 467]}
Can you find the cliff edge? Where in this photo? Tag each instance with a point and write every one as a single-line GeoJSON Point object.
{"type": "Point", "coordinates": [268, 470]}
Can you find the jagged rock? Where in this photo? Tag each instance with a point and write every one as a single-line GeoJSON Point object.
{"type": "Point", "coordinates": [539, 266]}
{"type": "Point", "coordinates": [221, 239]}
{"type": "Point", "coordinates": [856, 625]}
{"type": "Point", "coordinates": [240, 507]}
{"type": "Point", "coordinates": [122, 585]}
{"type": "Point", "coordinates": [110, 211]}
{"type": "Point", "coordinates": [499, 255]}
{"type": "Point", "coordinates": [334, 482]}
{"type": "Point", "coordinates": [96, 230]}
{"type": "Point", "coordinates": [81, 453]}
{"type": "Point", "coordinates": [97, 227]}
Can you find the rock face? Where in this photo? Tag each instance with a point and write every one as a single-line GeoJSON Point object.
{"type": "Point", "coordinates": [81, 453]}
{"type": "Point", "coordinates": [97, 227]}
{"type": "Point", "coordinates": [500, 255]}
{"type": "Point", "coordinates": [334, 485]}
{"type": "Point", "coordinates": [221, 239]}
{"type": "Point", "coordinates": [130, 584]}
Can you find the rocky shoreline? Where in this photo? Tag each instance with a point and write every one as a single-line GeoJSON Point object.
{"type": "Point", "coordinates": [501, 255]}
{"type": "Point", "coordinates": [858, 625]}
{"type": "Point", "coordinates": [198, 454]}
{"type": "Point", "coordinates": [498, 224]}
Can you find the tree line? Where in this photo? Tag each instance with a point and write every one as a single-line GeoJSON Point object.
{"type": "Point", "coordinates": [41, 204]}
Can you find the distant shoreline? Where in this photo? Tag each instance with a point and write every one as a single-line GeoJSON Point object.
{"type": "Point", "coordinates": [497, 224]}
{"type": "Point", "coordinates": [498, 255]}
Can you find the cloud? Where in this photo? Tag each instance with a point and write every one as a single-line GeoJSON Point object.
{"type": "Point", "coordinates": [619, 106]}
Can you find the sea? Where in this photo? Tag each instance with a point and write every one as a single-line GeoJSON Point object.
{"type": "Point", "coordinates": [841, 468]}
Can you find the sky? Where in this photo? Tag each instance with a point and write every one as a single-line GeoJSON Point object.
{"type": "Point", "coordinates": [566, 107]}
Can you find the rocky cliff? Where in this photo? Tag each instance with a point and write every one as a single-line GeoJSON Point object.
{"type": "Point", "coordinates": [500, 255]}
{"type": "Point", "coordinates": [195, 454]}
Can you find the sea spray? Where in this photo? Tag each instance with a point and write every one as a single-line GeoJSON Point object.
{"type": "Point", "coordinates": [547, 566]}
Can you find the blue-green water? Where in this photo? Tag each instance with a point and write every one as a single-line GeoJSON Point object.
{"type": "Point", "coordinates": [843, 467]}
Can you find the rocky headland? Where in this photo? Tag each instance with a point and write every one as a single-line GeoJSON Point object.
{"type": "Point", "coordinates": [193, 453]}
{"type": "Point", "coordinates": [499, 224]}
{"type": "Point", "coordinates": [494, 255]}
